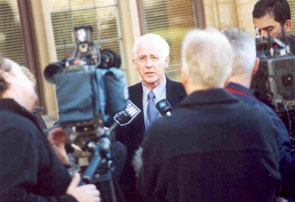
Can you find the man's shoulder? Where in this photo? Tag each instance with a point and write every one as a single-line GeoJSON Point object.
{"type": "Point", "coordinates": [292, 37]}
{"type": "Point", "coordinates": [134, 88]}
{"type": "Point", "coordinates": [253, 101]}
{"type": "Point", "coordinates": [292, 43]}
{"type": "Point", "coordinates": [175, 84]}
{"type": "Point", "coordinates": [17, 126]}
{"type": "Point", "coordinates": [12, 117]}
{"type": "Point", "coordinates": [176, 91]}
{"type": "Point", "coordinates": [17, 118]}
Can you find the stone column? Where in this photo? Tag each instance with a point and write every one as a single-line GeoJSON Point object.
{"type": "Point", "coordinates": [244, 10]}
{"type": "Point", "coordinates": [46, 50]}
{"type": "Point", "coordinates": [130, 27]}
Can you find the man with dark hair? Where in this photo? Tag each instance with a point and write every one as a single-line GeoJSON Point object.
{"type": "Point", "coordinates": [244, 67]}
{"type": "Point", "coordinates": [30, 170]}
{"type": "Point", "coordinates": [272, 16]}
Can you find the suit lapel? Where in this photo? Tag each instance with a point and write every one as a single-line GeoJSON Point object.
{"type": "Point", "coordinates": [136, 96]}
{"type": "Point", "coordinates": [171, 93]}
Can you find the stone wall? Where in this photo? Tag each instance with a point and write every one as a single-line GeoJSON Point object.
{"type": "Point", "coordinates": [227, 13]}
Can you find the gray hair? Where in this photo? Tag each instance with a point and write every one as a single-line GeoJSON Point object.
{"type": "Point", "coordinates": [207, 57]}
{"type": "Point", "coordinates": [6, 66]}
{"type": "Point", "coordinates": [243, 45]}
{"type": "Point", "coordinates": [154, 39]}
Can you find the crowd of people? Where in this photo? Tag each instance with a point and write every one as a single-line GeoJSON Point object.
{"type": "Point", "coordinates": [220, 143]}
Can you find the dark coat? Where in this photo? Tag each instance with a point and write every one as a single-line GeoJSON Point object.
{"type": "Point", "coordinates": [214, 147]}
{"type": "Point", "coordinates": [30, 170]}
{"type": "Point", "coordinates": [132, 135]}
{"type": "Point", "coordinates": [287, 158]}
{"type": "Point", "coordinates": [291, 39]}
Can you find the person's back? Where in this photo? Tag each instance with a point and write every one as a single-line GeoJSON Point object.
{"type": "Point", "coordinates": [222, 156]}
{"type": "Point", "coordinates": [214, 147]}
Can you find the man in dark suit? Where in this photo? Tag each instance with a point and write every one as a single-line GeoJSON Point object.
{"type": "Point", "coordinates": [151, 59]}
{"type": "Point", "coordinates": [244, 67]}
{"type": "Point", "coordinates": [214, 147]}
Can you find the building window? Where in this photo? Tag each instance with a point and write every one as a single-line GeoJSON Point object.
{"type": "Point", "coordinates": [11, 41]}
{"type": "Point", "coordinates": [170, 19]}
{"type": "Point", "coordinates": [102, 15]}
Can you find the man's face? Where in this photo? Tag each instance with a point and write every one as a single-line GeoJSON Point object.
{"type": "Point", "coordinates": [268, 22]}
{"type": "Point", "coordinates": [150, 64]}
{"type": "Point", "coordinates": [20, 88]}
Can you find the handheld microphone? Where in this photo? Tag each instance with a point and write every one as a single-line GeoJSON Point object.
{"type": "Point", "coordinates": [127, 115]}
{"type": "Point", "coordinates": [164, 107]}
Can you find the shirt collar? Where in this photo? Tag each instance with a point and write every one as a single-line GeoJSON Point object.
{"type": "Point", "coordinates": [214, 95]}
{"type": "Point", "coordinates": [240, 88]}
{"type": "Point", "coordinates": [7, 104]}
{"type": "Point", "coordinates": [158, 91]}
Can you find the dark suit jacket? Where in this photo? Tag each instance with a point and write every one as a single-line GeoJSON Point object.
{"type": "Point", "coordinates": [132, 135]}
{"type": "Point", "coordinates": [213, 148]}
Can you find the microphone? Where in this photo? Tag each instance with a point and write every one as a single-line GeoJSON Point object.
{"type": "Point", "coordinates": [164, 107]}
{"type": "Point", "coordinates": [127, 115]}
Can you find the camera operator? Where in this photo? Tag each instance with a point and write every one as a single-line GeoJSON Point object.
{"type": "Point", "coordinates": [56, 136]}
{"type": "Point", "coordinates": [211, 148]}
{"type": "Point", "coordinates": [244, 67]}
{"type": "Point", "coordinates": [30, 170]}
{"type": "Point", "coordinates": [273, 15]}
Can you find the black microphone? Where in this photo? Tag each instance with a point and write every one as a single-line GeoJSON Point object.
{"type": "Point", "coordinates": [164, 107]}
{"type": "Point", "coordinates": [127, 115]}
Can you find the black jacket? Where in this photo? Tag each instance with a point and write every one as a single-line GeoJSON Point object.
{"type": "Point", "coordinates": [30, 170]}
{"type": "Point", "coordinates": [213, 148]}
{"type": "Point", "coordinates": [132, 135]}
{"type": "Point", "coordinates": [287, 157]}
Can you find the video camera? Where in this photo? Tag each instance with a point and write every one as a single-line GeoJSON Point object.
{"type": "Point", "coordinates": [274, 81]}
{"type": "Point", "coordinates": [90, 90]}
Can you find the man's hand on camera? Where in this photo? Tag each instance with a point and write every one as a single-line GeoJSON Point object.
{"type": "Point", "coordinates": [85, 193]}
{"type": "Point", "coordinates": [57, 138]}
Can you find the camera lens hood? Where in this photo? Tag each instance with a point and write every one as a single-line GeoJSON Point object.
{"type": "Point", "coordinates": [52, 69]}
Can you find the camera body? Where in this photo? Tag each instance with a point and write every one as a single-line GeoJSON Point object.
{"type": "Point", "coordinates": [274, 82]}
{"type": "Point", "coordinates": [85, 92]}
{"type": "Point", "coordinates": [90, 90]}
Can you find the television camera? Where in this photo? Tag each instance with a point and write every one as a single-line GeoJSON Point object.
{"type": "Point", "coordinates": [90, 90]}
{"type": "Point", "coordinates": [274, 81]}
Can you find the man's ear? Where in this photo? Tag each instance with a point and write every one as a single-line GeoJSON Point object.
{"type": "Point", "coordinates": [287, 26]}
{"type": "Point", "coordinates": [167, 59]}
{"type": "Point", "coordinates": [227, 80]}
{"type": "Point", "coordinates": [184, 79]}
{"type": "Point", "coordinates": [134, 61]}
{"type": "Point", "coordinates": [256, 66]}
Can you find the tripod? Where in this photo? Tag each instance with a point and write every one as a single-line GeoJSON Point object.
{"type": "Point", "coordinates": [102, 163]}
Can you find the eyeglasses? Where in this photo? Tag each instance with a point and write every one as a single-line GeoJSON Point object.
{"type": "Point", "coordinates": [144, 58]}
